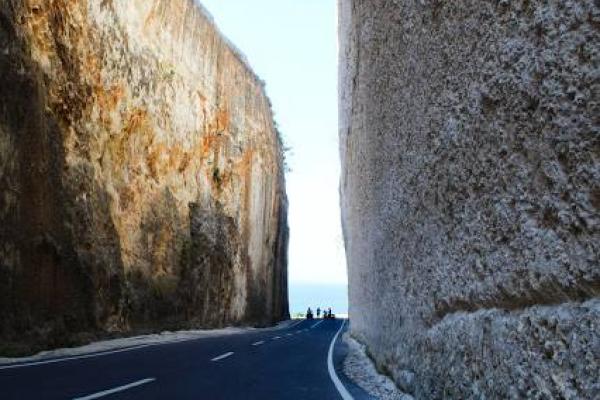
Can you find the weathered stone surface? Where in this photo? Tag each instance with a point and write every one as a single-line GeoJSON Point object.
{"type": "Point", "coordinates": [140, 173]}
{"type": "Point", "coordinates": [470, 143]}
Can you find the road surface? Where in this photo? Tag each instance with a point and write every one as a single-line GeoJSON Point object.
{"type": "Point", "coordinates": [289, 363]}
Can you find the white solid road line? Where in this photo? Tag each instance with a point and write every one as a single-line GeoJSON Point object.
{"type": "Point", "coordinates": [332, 374]}
{"type": "Point", "coordinates": [222, 356]}
{"type": "Point", "coordinates": [321, 321]}
{"type": "Point", "coordinates": [57, 360]}
{"type": "Point", "coordinates": [258, 343]}
{"type": "Point", "coordinates": [116, 390]}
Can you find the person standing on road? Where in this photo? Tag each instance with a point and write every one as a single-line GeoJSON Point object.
{"type": "Point", "coordinates": [318, 312]}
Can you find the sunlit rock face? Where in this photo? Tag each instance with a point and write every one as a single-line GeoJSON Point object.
{"type": "Point", "coordinates": [141, 173]}
{"type": "Point", "coordinates": [470, 142]}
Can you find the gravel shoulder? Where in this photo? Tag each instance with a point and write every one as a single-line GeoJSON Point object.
{"type": "Point", "coordinates": [361, 370]}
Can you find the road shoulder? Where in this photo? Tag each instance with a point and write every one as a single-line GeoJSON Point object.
{"type": "Point", "coordinates": [359, 369]}
{"type": "Point", "coordinates": [341, 351]}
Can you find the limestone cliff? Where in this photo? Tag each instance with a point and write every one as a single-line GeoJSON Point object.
{"type": "Point", "coordinates": [470, 142]}
{"type": "Point", "coordinates": [141, 173]}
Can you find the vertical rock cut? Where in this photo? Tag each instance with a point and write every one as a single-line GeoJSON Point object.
{"type": "Point", "coordinates": [470, 142]}
{"type": "Point", "coordinates": [141, 174]}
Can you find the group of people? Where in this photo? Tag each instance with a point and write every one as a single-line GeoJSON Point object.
{"type": "Point", "coordinates": [326, 313]}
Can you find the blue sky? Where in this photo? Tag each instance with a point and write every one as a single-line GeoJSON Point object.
{"type": "Point", "coordinates": [292, 46]}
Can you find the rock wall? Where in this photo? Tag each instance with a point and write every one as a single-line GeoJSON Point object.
{"type": "Point", "coordinates": [470, 143]}
{"type": "Point", "coordinates": [141, 174]}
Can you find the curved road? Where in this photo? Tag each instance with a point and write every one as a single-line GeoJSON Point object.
{"type": "Point", "coordinates": [289, 363]}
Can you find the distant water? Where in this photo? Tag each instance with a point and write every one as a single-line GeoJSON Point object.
{"type": "Point", "coordinates": [304, 295]}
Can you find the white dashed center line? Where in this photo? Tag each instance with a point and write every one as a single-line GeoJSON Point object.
{"type": "Point", "coordinates": [258, 343]}
{"type": "Point", "coordinates": [316, 324]}
{"type": "Point", "coordinates": [277, 337]}
{"type": "Point", "coordinates": [222, 356]}
{"type": "Point", "coordinates": [108, 392]}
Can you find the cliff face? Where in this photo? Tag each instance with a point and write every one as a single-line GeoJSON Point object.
{"type": "Point", "coordinates": [140, 173]}
{"type": "Point", "coordinates": [470, 142]}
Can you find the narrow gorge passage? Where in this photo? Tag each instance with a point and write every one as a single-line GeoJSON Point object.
{"type": "Point", "coordinates": [415, 182]}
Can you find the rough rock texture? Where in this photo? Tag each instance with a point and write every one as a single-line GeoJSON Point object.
{"type": "Point", "coordinates": [470, 143]}
{"type": "Point", "coordinates": [361, 370]}
{"type": "Point", "coordinates": [141, 180]}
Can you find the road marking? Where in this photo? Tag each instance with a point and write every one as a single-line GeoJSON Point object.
{"type": "Point", "coordinates": [258, 343]}
{"type": "Point", "coordinates": [116, 390]}
{"type": "Point", "coordinates": [320, 322]}
{"type": "Point", "coordinates": [296, 323]}
{"type": "Point", "coordinates": [290, 334]}
{"type": "Point", "coordinates": [300, 331]}
{"type": "Point", "coordinates": [277, 337]}
{"type": "Point", "coordinates": [57, 360]}
{"type": "Point", "coordinates": [222, 356]}
{"type": "Point", "coordinates": [106, 353]}
{"type": "Point", "coordinates": [332, 374]}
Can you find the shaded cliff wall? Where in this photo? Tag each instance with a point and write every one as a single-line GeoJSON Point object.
{"type": "Point", "coordinates": [470, 142]}
{"type": "Point", "coordinates": [141, 173]}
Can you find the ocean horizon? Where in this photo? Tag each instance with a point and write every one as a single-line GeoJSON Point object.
{"type": "Point", "coordinates": [313, 295]}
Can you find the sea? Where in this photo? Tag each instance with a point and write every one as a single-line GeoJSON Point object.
{"type": "Point", "coordinates": [313, 295]}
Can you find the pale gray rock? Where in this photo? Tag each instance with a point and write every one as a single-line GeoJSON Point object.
{"type": "Point", "coordinates": [470, 144]}
{"type": "Point", "coordinates": [361, 370]}
{"type": "Point", "coordinates": [405, 380]}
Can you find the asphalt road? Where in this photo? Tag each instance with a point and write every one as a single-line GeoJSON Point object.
{"type": "Point", "coordinates": [289, 363]}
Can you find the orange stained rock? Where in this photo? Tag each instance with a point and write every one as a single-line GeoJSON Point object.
{"type": "Point", "coordinates": [108, 99]}
{"type": "Point", "coordinates": [132, 162]}
{"type": "Point", "coordinates": [136, 120]}
{"type": "Point", "coordinates": [157, 160]}
{"type": "Point", "coordinates": [222, 121]}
